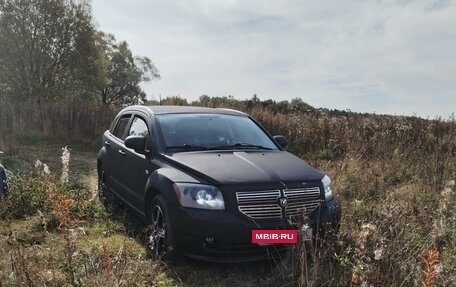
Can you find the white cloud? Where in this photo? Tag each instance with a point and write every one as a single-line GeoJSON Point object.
{"type": "Point", "coordinates": [383, 56]}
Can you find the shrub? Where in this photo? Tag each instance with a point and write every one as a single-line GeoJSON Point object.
{"type": "Point", "coordinates": [28, 195]}
{"type": "Point", "coordinates": [326, 154]}
{"type": "Point", "coordinates": [62, 203]}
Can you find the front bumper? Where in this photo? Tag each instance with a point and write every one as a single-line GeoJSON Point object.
{"type": "Point", "coordinates": [225, 236]}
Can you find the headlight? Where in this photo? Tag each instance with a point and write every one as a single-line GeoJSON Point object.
{"type": "Point", "coordinates": [199, 196]}
{"type": "Point", "coordinates": [327, 187]}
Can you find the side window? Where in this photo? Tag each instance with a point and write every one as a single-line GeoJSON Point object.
{"type": "Point", "coordinates": [138, 127]}
{"type": "Point", "coordinates": [121, 127]}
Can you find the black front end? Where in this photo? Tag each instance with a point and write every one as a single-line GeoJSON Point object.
{"type": "Point", "coordinates": [226, 236]}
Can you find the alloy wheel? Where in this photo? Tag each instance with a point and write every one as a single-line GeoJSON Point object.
{"type": "Point", "coordinates": [157, 237]}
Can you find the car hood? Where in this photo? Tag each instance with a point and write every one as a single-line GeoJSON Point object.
{"type": "Point", "coordinates": [236, 167]}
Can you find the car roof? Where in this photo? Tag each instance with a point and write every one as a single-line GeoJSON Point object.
{"type": "Point", "coordinates": [160, 110]}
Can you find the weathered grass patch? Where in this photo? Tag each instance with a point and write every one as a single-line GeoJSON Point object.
{"type": "Point", "coordinates": [395, 177]}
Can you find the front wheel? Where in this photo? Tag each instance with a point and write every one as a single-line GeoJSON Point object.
{"type": "Point", "coordinates": [160, 238]}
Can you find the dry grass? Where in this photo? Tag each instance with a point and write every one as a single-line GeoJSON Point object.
{"type": "Point", "coordinates": [75, 121]}
{"type": "Point", "coordinates": [395, 177]}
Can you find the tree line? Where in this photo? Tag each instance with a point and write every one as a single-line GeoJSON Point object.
{"type": "Point", "coordinates": [296, 105]}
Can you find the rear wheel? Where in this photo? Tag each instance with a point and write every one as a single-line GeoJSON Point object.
{"type": "Point", "coordinates": [101, 185]}
{"type": "Point", "coordinates": [160, 238]}
{"type": "Point", "coordinates": [104, 194]}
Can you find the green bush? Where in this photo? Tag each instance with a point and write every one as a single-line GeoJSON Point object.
{"type": "Point", "coordinates": [27, 196]}
{"type": "Point", "coordinates": [30, 194]}
{"type": "Point", "coordinates": [326, 154]}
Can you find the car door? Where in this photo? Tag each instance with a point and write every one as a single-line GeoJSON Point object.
{"type": "Point", "coordinates": [137, 167]}
{"type": "Point", "coordinates": [116, 153]}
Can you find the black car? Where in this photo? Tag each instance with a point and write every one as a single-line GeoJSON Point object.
{"type": "Point", "coordinates": [204, 178]}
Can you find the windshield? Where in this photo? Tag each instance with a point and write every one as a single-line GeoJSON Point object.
{"type": "Point", "coordinates": [212, 131]}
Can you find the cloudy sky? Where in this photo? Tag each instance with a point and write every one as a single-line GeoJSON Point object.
{"type": "Point", "coordinates": [394, 57]}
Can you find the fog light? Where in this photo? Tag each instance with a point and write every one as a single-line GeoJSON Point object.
{"type": "Point", "coordinates": [209, 242]}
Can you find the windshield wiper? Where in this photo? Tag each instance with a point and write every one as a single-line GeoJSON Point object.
{"type": "Point", "coordinates": [245, 145]}
{"type": "Point", "coordinates": [188, 147]}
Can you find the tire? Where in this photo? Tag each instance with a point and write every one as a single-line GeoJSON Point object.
{"type": "Point", "coordinates": [104, 194]}
{"type": "Point", "coordinates": [101, 184]}
{"type": "Point", "coordinates": [159, 234]}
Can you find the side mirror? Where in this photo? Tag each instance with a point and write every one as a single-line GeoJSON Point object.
{"type": "Point", "coordinates": [281, 140]}
{"type": "Point", "coordinates": [138, 143]}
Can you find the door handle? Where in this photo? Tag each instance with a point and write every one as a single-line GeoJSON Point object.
{"type": "Point", "coordinates": [121, 152]}
{"type": "Point", "coordinates": [108, 143]}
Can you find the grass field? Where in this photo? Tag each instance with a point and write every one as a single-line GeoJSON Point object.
{"type": "Point", "coordinates": [395, 177]}
{"type": "Point", "coordinates": [97, 246]}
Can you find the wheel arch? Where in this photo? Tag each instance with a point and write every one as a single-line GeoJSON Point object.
{"type": "Point", "coordinates": [151, 193]}
{"type": "Point", "coordinates": [100, 159]}
{"type": "Point", "coordinates": [158, 184]}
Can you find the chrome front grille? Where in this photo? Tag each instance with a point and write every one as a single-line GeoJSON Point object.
{"type": "Point", "coordinates": [265, 204]}
{"type": "Point", "coordinates": [302, 202]}
{"type": "Point", "coordinates": [259, 204]}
